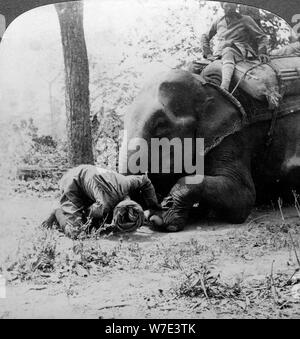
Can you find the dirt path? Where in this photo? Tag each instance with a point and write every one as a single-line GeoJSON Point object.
{"type": "Point", "coordinates": [212, 270]}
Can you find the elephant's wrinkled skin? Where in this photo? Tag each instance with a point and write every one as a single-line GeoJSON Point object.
{"type": "Point", "coordinates": [178, 105]}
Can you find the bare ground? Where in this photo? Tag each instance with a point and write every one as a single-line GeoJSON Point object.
{"type": "Point", "coordinates": [210, 270]}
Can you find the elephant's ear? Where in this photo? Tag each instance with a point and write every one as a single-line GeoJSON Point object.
{"type": "Point", "coordinates": [218, 117]}
{"type": "Point", "coordinates": [177, 92]}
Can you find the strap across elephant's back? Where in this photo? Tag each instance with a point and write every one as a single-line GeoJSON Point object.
{"type": "Point", "coordinates": [256, 112]}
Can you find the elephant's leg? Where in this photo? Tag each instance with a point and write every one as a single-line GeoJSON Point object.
{"type": "Point", "coordinates": [232, 197]}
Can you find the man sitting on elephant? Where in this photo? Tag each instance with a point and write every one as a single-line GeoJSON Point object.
{"type": "Point", "coordinates": [92, 192]}
{"type": "Point", "coordinates": [235, 32]}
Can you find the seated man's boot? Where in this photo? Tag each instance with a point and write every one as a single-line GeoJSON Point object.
{"type": "Point", "coordinates": [227, 73]}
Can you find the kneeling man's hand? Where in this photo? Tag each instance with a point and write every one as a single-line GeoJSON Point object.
{"type": "Point", "coordinates": [154, 216]}
{"type": "Point", "coordinates": [96, 210]}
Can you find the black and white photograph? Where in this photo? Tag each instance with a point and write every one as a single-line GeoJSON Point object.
{"type": "Point", "coordinates": [149, 161]}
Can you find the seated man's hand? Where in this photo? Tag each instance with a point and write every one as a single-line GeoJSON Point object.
{"type": "Point", "coordinates": [207, 56]}
{"type": "Point", "coordinates": [264, 58]}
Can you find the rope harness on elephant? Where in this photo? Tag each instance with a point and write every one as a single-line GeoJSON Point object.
{"type": "Point", "coordinates": [237, 126]}
{"type": "Point", "coordinates": [276, 110]}
{"type": "Point", "coordinates": [287, 105]}
{"type": "Point", "coordinates": [244, 76]}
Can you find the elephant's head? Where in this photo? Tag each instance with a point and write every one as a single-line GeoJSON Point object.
{"type": "Point", "coordinates": [164, 109]}
{"type": "Point", "coordinates": [179, 108]}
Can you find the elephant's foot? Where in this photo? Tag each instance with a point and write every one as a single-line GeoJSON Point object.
{"type": "Point", "coordinates": [174, 220]}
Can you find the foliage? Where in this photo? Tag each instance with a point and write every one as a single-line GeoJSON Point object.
{"type": "Point", "coordinates": [44, 255]}
{"type": "Point", "coordinates": [24, 150]}
{"type": "Point", "coordinates": [16, 143]}
{"type": "Point", "coordinates": [44, 141]}
{"type": "Point", "coordinates": [272, 25]}
{"type": "Point", "coordinates": [168, 39]}
{"type": "Point", "coordinates": [203, 283]}
{"type": "Point", "coordinates": [41, 150]}
{"type": "Point", "coordinates": [39, 257]}
{"type": "Point", "coordinates": [167, 36]}
{"type": "Point", "coordinates": [275, 27]}
{"type": "Point", "coordinates": [106, 135]}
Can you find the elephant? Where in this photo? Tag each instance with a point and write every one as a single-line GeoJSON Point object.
{"type": "Point", "coordinates": [248, 149]}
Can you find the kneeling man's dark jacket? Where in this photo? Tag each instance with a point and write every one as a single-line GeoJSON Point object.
{"type": "Point", "coordinates": [100, 190]}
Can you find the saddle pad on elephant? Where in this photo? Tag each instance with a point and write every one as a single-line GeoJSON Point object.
{"type": "Point", "coordinates": [257, 111]}
{"type": "Point", "coordinates": [271, 82]}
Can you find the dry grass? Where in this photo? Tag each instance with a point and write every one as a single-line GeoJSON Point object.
{"type": "Point", "coordinates": [204, 284]}
{"type": "Point", "coordinates": [39, 256]}
{"type": "Point", "coordinates": [297, 204]}
{"type": "Point", "coordinates": [192, 266]}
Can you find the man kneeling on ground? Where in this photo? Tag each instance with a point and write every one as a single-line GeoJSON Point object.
{"type": "Point", "coordinates": [93, 193]}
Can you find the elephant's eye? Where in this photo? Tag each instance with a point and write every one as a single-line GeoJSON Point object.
{"type": "Point", "coordinates": [160, 122]}
{"type": "Point", "coordinates": [159, 119]}
{"type": "Point", "coordinates": [160, 127]}
{"type": "Point", "coordinates": [167, 203]}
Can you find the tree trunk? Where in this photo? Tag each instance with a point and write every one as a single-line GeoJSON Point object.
{"type": "Point", "coordinates": [70, 17]}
